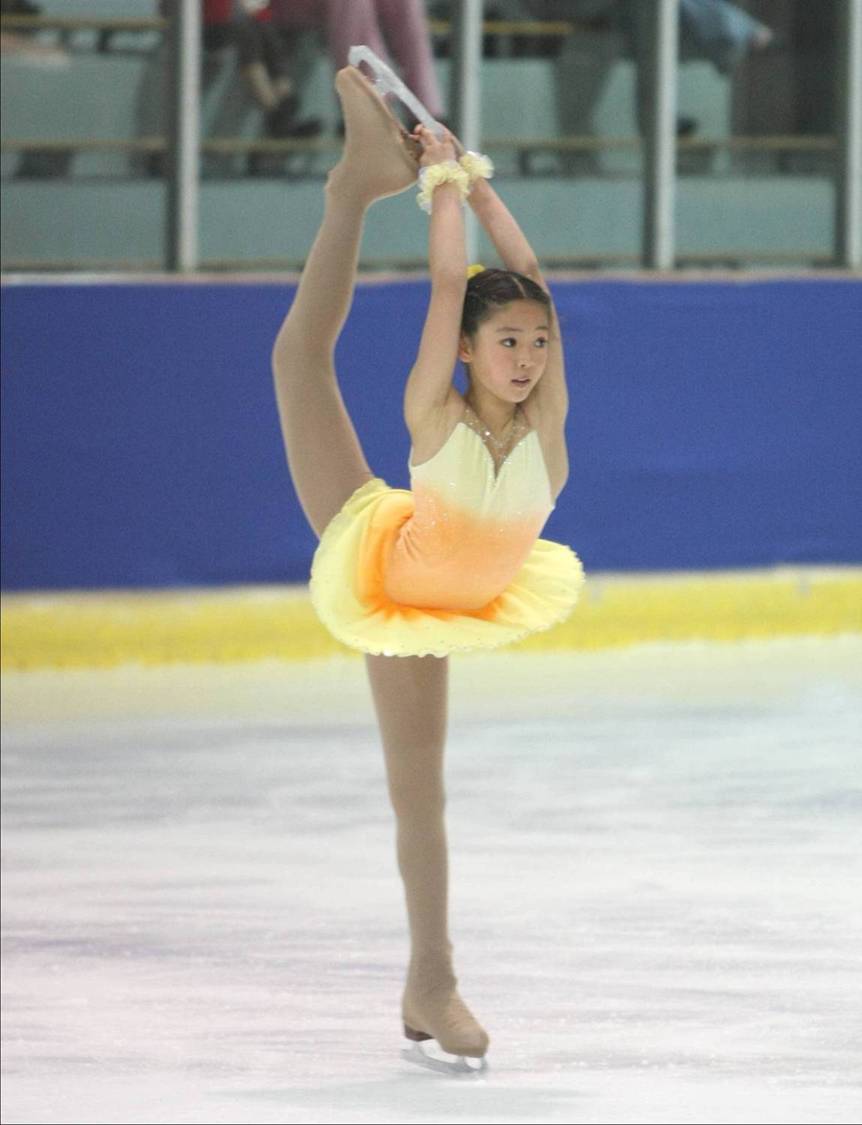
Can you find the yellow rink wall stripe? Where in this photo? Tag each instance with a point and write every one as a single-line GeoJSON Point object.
{"type": "Point", "coordinates": [104, 629]}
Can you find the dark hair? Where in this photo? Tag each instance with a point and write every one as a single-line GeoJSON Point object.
{"type": "Point", "coordinates": [489, 290]}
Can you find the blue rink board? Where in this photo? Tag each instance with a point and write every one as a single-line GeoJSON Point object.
{"type": "Point", "coordinates": [712, 425]}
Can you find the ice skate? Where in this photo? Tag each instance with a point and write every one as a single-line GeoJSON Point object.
{"type": "Point", "coordinates": [386, 81]}
{"type": "Point", "coordinates": [380, 157]}
{"type": "Point", "coordinates": [430, 1054]}
{"type": "Point", "coordinates": [443, 1033]}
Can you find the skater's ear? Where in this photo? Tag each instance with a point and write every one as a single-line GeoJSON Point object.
{"type": "Point", "coordinates": [465, 348]}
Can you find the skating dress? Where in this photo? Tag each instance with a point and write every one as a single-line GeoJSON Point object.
{"type": "Point", "coordinates": [452, 564]}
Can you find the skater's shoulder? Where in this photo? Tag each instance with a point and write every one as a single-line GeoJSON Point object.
{"type": "Point", "coordinates": [432, 431]}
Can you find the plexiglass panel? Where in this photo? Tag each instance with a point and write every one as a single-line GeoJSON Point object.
{"type": "Point", "coordinates": [561, 93]}
{"type": "Point", "coordinates": [565, 101]}
{"type": "Point", "coordinates": [756, 174]}
{"type": "Point", "coordinates": [83, 135]}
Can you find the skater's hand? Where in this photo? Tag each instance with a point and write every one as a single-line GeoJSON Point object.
{"type": "Point", "coordinates": [435, 150]}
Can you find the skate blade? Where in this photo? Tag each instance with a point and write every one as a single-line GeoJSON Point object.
{"type": "Point", "coordinates": [387, 82]}
{"type": "Point", "coordinates": [430, 1055]}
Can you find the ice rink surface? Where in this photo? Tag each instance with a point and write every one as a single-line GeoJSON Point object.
{"type": "Point", "coordinates": [656, 891]}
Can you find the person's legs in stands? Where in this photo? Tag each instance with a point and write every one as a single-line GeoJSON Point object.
{"type": "Point", "coordinates": [405, 27]}
{"type": "Point", "coordinates": [401, 24]}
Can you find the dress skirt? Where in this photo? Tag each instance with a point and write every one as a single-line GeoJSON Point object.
{"type": "Point", "coordinates": [348, 595]}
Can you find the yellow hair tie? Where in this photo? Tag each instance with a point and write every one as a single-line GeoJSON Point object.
{"type": "Point", "coordinates": [477, 166]}
{"type": "Point", "coordinates": [474, 269]}
{"type": "Point", "coordinates": [433, 175]}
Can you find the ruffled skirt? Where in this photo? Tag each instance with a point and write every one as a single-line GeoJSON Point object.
{"type": "Point", "coordinates": [347, 587]}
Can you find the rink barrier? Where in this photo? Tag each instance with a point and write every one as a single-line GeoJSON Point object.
{"type": "Point", "coordinates": [102, 630]}
{"type": "Point", "coordinates": [713, 426]}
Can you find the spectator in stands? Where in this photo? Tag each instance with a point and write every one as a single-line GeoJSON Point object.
{"type": "Point", "coordinates": [396, 26]}
{"type": "Point", "coordinates": [716, 30]}
{"type": "Point", "coordinates": [263, 61]}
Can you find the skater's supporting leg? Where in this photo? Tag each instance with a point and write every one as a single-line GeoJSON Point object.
{"type": "Point", "coordinates": [325, 458]}
{"type": "Point", "coordinates": [410, 697]}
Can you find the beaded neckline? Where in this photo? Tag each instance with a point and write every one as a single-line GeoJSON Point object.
{"type": "Point", "coordinates": [496, 466]}
{"type": "Point", "coordinates": [500, 450]}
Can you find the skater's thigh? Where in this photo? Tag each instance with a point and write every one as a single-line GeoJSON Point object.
{"type": "Point", "coordinates": [324, 454]}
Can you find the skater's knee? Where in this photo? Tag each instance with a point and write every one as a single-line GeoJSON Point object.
{"type": "Point", "coordinates": [417, 800]}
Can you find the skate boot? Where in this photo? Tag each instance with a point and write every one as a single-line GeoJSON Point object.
{"type": "Point", "coordinates": [380, 157]}
{"type": "Point", "coordinates": [434, 1013]}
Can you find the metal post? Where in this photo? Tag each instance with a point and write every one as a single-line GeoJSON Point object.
{"type": "Point", "coordinates": [184, 62]}
{"type": "Point", "coordinates": [660, 138]}
{"type": "Point", "coordinates": [466, 89]}
{"type": "Point", "coordinates": [848, 182]}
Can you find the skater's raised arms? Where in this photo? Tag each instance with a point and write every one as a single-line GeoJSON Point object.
{"type": "Point", "coordinates": [549, 399]}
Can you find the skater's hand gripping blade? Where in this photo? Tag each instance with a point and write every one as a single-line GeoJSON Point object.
{"type": "Point", "coordinates": [430, 1055]}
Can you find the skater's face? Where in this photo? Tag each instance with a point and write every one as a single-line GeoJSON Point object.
{"type": "Point", "coordinates": [508, 352]}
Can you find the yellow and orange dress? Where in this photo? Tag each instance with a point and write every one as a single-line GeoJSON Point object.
{"type": "Point", "coordinates": [452, 564]}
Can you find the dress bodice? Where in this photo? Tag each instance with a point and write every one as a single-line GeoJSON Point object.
{"type": "Point", "coordinates": [473, 524]}
{"type": "Point", "coordinates": [464, 472]}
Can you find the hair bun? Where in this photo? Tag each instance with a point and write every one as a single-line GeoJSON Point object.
{"type": "Point", "coordinates": [477, 267]}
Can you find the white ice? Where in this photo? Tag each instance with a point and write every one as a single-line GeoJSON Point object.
{"type": "Point", "coordinates": [655, 888]}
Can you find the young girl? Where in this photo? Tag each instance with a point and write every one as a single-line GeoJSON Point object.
{"type": "Point", "coordinates": [454, 563]}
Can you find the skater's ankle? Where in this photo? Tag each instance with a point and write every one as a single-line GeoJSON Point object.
{"type": "Point", "coordinates": [343, 187]}
{"type": "Point", "coordinates": [431, 973]}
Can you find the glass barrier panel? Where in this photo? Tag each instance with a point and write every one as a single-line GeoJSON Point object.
{"type": "Point", "coordinates": [756, 172]}
{"type": "Point", "coordinates": [559, 119]}
{"type": "Point", "coordinates": [564, 105]}
{"type": "Point", "coordinates": [82, 136]}
{"type": "Point", "coordinates": [560, 97]}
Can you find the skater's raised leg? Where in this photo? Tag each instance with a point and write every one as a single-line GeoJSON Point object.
{"type": "Point", "coordinates": [324, 455]}
{"type": "Point", "coordinates": [410, 696]}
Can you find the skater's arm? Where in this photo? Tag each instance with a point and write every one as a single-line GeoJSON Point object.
{"type": "Point", "coordinates": [430, 382]}
{"type": "Point", "coordinates": [550, 396]}
{"type": "Point", "coordinates": [502, 228]}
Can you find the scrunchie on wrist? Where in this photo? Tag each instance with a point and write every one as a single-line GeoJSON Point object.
{"type": "Point", "coordinates": [447, 171]}
{"type": "Point", "coordinates": [477, 166]}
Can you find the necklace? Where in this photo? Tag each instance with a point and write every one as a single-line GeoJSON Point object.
{"type": "Point", "coordinates": [485, 433]}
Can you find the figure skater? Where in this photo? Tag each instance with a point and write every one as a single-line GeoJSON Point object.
{"type": "Point", "coordinates": [454, 563]}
